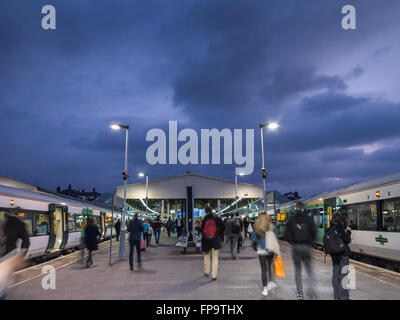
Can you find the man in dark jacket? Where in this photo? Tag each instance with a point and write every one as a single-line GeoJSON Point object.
{"type": "Point", "coordinates": [91, 234]}
{"type": "Point", "coordinates": [340, 261]}
{"type": "Point", "coordinates": [118, 228]}
{"type": "Point", "coordinates": [178, 226]}
{"type": "Point", "coordinates": [245, 226]}
{"type": "Point", "coordinates": [157, 226]}
{"type": "Point", "coordinates": [300, 232]}
{"type": "Point", "coordinates": [211, 242]}
{"type": "Point", "coordinates": [135, 228]}
{"type": "Point", "coordinates": [15, 229]}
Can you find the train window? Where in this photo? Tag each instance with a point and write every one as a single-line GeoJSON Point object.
{"type": "Point", "coordinates": [42, 223]}
{"type": "Point", "coordinates": [81, 221]}
{"type": "Point", "coordinates": [26, 217]}
{"type": "Point", "coordinates": [71, 222]}
{"type": "Point", "coordinates": [391, 215]}
{"type": "Point", "coordinates": [362, 216]}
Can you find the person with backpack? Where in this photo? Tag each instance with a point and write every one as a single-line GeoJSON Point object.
{"type": "Point", "coordinates": [336, 243]}
{"type": "Point", "coordinates": [211, 242]}
{"type": "Point", "coordinates": [232, 231]}
{"type": "Point", "coordinates": [300, 232]}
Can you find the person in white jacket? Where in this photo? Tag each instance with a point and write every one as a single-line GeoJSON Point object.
{"type": "Point", "coordinates": [266, 243]}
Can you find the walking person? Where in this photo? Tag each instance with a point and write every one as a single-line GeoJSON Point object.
{"type": "Point", "coordinates": [232, 232]}
{"type": "Point", "coordinates": [135, 228]}
{"type": "Point", "coordinates": [12, 230]}
{"type": "Point", "coordinates": [245, 226]}
{"type": "Point", "coordinates": [118, 229]}
{"type": "Point", "coordinates": [240, 238]}
{"type": "Point", "coordinates": [211, 242]}
{"type": "Point", "coordinates": [169, 225]}
{"type": "Point", "coordinates": [300, 232]}
{"type": "Point", "coordinates": [340, 259]}
{"type": "Point", "coordinates": [91, 234]}
{"type": "Point", "coordinates": [179, 226]}
{"type": "Point", "coordinates": [146, 233]}
{"type": "Point", "coordinates": [157, 226]}
{"type": "Point", "coordinates": [265, 242]}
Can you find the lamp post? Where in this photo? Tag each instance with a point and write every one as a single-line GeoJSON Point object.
{"type": "Point", "coordinates": [147, 185]}
{"type": "Point", "coordinates": [236, 187]}
{"type": "Point", "coordinates": [269, 126]}
{"type": "Point", "coordinates": [122, 243]}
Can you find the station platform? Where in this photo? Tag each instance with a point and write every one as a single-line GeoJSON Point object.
{"type": "Point", "coordinates": [167, 274]}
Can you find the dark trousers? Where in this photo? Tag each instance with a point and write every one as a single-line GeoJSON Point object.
{"type": "Point", "coordinates": [339, 262]}
{"type": "Point", "coordinates": [157, 234]}
{"type": "Point", "coordinates": [89, 260]}
{"type": "Point", "coordinates": [179, 231]}
{"type": "Point", "coordinates": [147, 238]}
{"type": "Point", "coordinates": [169, 232]}
{"type": "Point", "coordinates": [132, 245]}
{"type": "Point", "coordinates": [245, 232]}
{"type": "Point", "coordinates": [266, 268]}
{"type": "Point", "coordinates": [117, 235]}
{"type": "Point", "coordinates": [302, 253]}
{"type": "Point", "coordinates": [239, 243]}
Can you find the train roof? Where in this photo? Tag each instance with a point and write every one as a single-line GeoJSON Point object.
{"type": "Point", "coordinates": [44, 196]}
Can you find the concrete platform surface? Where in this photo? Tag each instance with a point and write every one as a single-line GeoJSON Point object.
{"type": "Point", "coordinates": [169, 274]}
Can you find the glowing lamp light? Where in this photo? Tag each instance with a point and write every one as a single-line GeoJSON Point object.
{"type": "Point", "coordinates": [11, 202]}
{"type": "Point", "coordinates": [273, 126]}
{"type": "Point", "coordinates": [378, 194]}
{"type": "Point", "coordinates": [115, 127]}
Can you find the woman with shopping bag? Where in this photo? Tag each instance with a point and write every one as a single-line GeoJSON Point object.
{"type": "Point", "coordinates": [266, 244]}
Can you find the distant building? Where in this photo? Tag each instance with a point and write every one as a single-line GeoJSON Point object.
{"type": "Point", "coordinates": [89, 196]}
{"type": "Point", "coordinates": [292, 196]}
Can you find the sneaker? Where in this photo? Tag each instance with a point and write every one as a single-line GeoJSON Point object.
{"type": "Point", "coordinates": [265, 292]}
{"type": "Point", "coordinates": [300, 296]}
{"type": "Point", "coordinates": [271, 285]}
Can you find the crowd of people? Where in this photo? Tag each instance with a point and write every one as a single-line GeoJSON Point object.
{"type": "Point", "coordinates": [261, 233]}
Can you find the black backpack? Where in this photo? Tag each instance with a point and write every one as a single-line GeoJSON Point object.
{"type": "Point", "coordinates": [333, 242]}
{"type": "Point", "coordinates": [235, 226]}
{"type": "Point", "coordinates": [301, 229]}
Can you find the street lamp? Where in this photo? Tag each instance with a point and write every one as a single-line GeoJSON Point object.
{"type": "Point", "coordinates": [270, 126]}
{"type": "Point", "coordinates": [147, 185]}
{"type": "Point", "coordinates": [240, 174]}
{"type": "Point", "coordinates": [122, 243]}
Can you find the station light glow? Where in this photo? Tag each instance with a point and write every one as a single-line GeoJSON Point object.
{"type": "Point", "coordinates": [273, 126]}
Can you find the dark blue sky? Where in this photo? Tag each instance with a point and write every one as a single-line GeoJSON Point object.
{"type": "Point", "coordinates": [223, 64]}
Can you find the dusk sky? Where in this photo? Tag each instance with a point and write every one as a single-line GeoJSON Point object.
{"type": "Point", "coordinates": [207, 64]}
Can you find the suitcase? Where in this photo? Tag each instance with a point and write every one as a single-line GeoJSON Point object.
{"type": "Point", "coordinates": [142, 245]}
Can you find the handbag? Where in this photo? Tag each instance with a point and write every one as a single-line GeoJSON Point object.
{"type": "Point", "coordinates": [142, 244]}
{"type": "Point", "coordinates": [271, 242]}
{"type": "Point", "coordinates": [279, 268]}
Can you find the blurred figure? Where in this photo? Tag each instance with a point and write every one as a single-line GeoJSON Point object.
{"type": "Point", "coordinates": [240, 239]}
{"type": "Point", "coordinates": [135, 228]}
{"type": "Point", "coordinates": [232, 232]}
{"type": "Point", "coordinates": [11, 231]}
{"type": "Point", "coordinates": [340, 260]}
{"type": "Point", "coordinates": [146, 235]}
{"type": "Point", "coordinates": [211, 242]}
{"type": "Point", "coordinates": [91, 234]}
{"type": "Point", "coordinates": [266, 248]}
{"type": "Point", "coordinates": [179, 226]}
{"type": "Point", "coordinates": [169, 226]}
{"type": "Point", "coordinates": [157, 226]}
{"type": "Point", "coordinates": [300, 232]}
{"type": "Point", "coordinates": [245, 226]}
{"type": "Point", "coordinates": [118, 228]}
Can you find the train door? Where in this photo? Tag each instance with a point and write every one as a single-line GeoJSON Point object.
{"type": "Point", "coordinates": [103, 224]}
{"type": "Point", "coordinates": [59, 227]}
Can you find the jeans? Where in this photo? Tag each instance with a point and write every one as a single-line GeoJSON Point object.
{"type": "Point", "coordinates": [147, 238]}
{"type": "Point", "coordinates": [157, 233]}
{"type": "Point", "coordinates": [132, 245]}
{"type": "Point", "coordinates": [303, 253]}
{"type": "Point", "coordinates": [338, 262]}
{"type": "Point", "coordinates": [266, 268]}
{"type": "Point", "coordinates": [233, 240]}
{"type": "Point", "coordinates": [207, 262]}
{"type": "Point", "coordinates": [179, 231]}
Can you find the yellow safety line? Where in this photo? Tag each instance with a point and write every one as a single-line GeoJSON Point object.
{"type": "Point", "coordinates": [26, 280]}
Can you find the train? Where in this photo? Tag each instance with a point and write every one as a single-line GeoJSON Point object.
{"type": "Point", "coordinates": [371, 208]}
{"type": "Point", "coordinates": [55, 222]}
